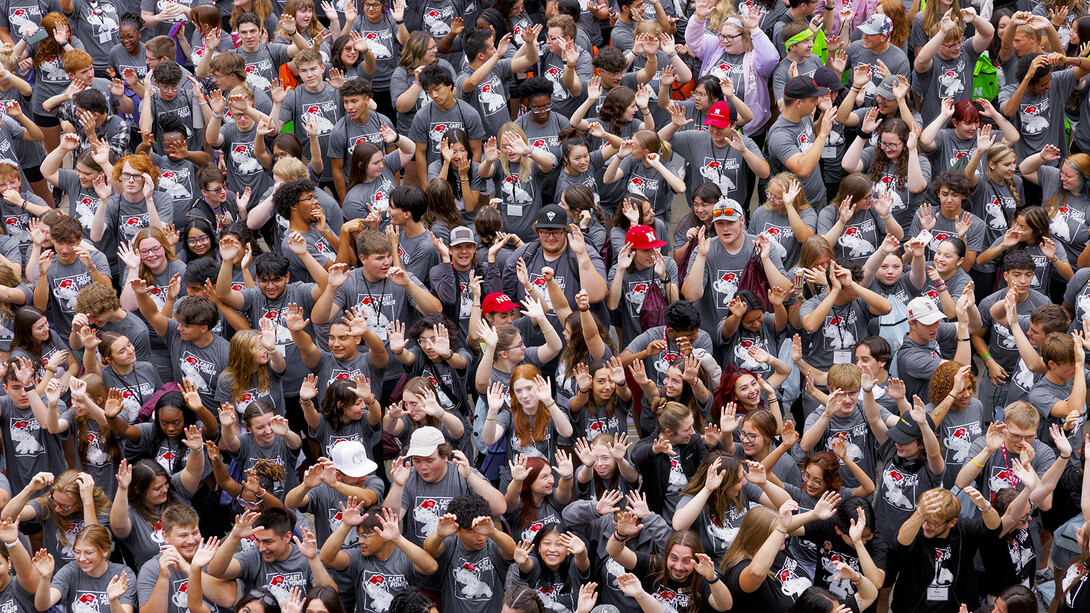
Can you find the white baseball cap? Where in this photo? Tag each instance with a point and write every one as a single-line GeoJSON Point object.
{"type": "Point", "coordinates": [924, 310]}
{"type": "Point", "coordinates": [350, 457]}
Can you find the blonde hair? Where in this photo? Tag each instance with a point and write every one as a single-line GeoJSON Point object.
{"type": "Point", "coordinates": [66, 483]}
{"type": "Point", "coordinates": [649, 140]}
{"type": "Point", "coordinates": [756, 527]}
{"type": "Point", "coordinates": [951, 506]}
{"type": "Point", "coordinates": [1022, 414]}
{"type": "Point", "coordinates": [290, 169]}
{"type": "Point", "coordinates": [845, 377]}
{"type": "Point", "coordinates": [996, 154]}
{"type": "Point", "coordinates": [783, 181]}
{"type": "Point", "coordinates": [7, 57]}
{"type": "Point", "coordinates": [931, 16]}
{"type": "Point", "coordinates": [241, 365]}
{"type": "Point", "coordinates": [525, 163]}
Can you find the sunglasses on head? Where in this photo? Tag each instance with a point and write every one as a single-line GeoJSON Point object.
{"type": "Point", "coordinates": [263, 596]}
{"type": "Point", "coordinates": [728, 211]}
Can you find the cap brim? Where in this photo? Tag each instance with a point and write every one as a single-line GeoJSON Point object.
{"type": "Point", "coordinates": [933, 318]}
{"type": "Point", "coordinates": [653, 245]}
{"type": "Point", "coordinates": [821, 91]}
{"type": "Point", "coordinates": [717, 122]}
{"type": "Point", "coordinates": [552, 225]}
{"type": "Point", "coordinates": [864, 29]}
{"type": "Point", "coordinates": [900, 437]}
{"type": "Point", "coordinates": [464, 241]}
{"type": "Point", "coordinates": [362, 470]}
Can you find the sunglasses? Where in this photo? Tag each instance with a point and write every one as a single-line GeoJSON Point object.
{"type": "Point", "coordinates": [726, 211]}
{"type": "Point", "coordinates": [263, 596]}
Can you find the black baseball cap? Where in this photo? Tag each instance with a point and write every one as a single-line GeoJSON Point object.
{"type": "Point", "coordinates": [803, 87]}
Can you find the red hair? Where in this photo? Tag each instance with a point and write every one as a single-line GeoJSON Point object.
{"type": "Point", "coordinates": [528, 513]}
{"type": "Point", "coordinates": [725, 393]}
{"type": "Point", "coordinates": [966, 111]}
{"type": "Point", "coordinates": [830, 469]}
{"type": "Point", "coordinates": [528, 432]}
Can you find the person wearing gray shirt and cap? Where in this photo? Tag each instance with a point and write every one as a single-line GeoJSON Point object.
{"type": "Point", "coordinates": [876, 47]}
{"type": "Point", "coordinates": [795, 141]}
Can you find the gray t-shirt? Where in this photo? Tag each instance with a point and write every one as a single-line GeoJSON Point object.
{"type": "Point", "coordinates": [722, 273]}
{"type": "Point", "coordinates": [834, 342]}
{"type": "Point", "coordinates": [1039, 118]}
{"type": "Point", "coordinates": [201, 365]}
{"type": "Point", "coordinates": [378, 581]}
{"type": "Point", "coordinates": [552, 68]}
{"type": "Point", "coordinates": [957, 431]}
{"type": "Point", "coordinates": [478, 576]}
{"type": "Point", "coordinates": [778, 228]}
{"type": "Point", "coordinates": [178, 584]}
{"type": "Point", "coordinates": [787, 138]}
{"type": "Point", "coordinates": [997, 473]}
{"type": "Point", "coordinates": [424, 503]}
{"type": "Point", "coordinates": [431, 123]}
{"type": "Point", "coordinates": [256, 307]}
{"type": "Point", "coordinates": [894, 58]}
{"type": "Point", "coordinates": [324, 106]}
{"type": "Point", "coordinates": [280, 576]}
{"type": "Point", "coordinates": [916, 363]}
{"type": "Point", "coordinates": [347, 135]}
{"type": "Point", "coordinates": [82, 592]}
{"type": "Point", "coordinates": [635, 286]}
{"type": "Point", "coordinates": [243, 169]}
{"type": "Point", "coordinates": [859, 442]}
{"type": "Point", "coordinates": [905, 202]}
{"type": "Point", "coordinates": [951, 79]}
{"type": "Point", "coordinates": [490, 95]}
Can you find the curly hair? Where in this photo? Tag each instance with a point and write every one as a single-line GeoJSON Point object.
{"type": "Point", "coordinates": [942, 381]}
{"type": "Point", "coordinates": [614, 106]}
{"type": "Point", "coordinates": [899, 128]}
{"type": "Point", "coordinates": [830, 469]}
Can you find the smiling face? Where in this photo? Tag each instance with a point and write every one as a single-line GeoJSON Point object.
{"type": "Point", "coordinates": [342, 344]}
{"type": "Point", "coordinates": [731, 39]}
{"type": "Point", "coordinates": [152, 254]}
{"type": "Point", "coordinates": [1070, 179]}
{"type": "Point", "coordinates": [544, 483]}
{"type": "Point", "coordinates": [199, 242]}
{"type": "Point", "coordinates": [578, 159]}
{"type": "Point", "coordinates": [813, 480]}
{"type": "Point", "coordinates": [754, 443]}
{"type": "Point", "coordinates": [1004, 170]}
{"type": "Point", "coordinates": [551, 551]}
{"type": "Point", "coordinates": [680, 562]}
{"type": "Point", "coordinates": [186, 539]}
{"type": "Point", "coordinates": [946, 259]}
{"type": "Point", "coordinates": [91, 559]}
{"type": "Point", "coordinates": [373, 9]}
{"type": "Point", "coordinates": [261, 427]}
{"type": "Point", "coordinates": [40, 330]}
{"type": "Point", "coordinates": [747, 392]}
{"type": "Point", "coordinates": [271, 546]}
{"type": "Point", "coordinates": [157, 492]}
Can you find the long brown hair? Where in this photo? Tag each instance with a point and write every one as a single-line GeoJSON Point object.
{"type": "Point", "coordinates": [107, 440]}
{"type": "Point", "coordinates": [660, 574]}
{"type": "Point", "coordinates": [241, 365]}
{"type": "Point", "coordinates": [719, 500]}
{"type": "Point", "coordinates": [528, 432]}
{"type": "Point", "coordinates": [899, 128]}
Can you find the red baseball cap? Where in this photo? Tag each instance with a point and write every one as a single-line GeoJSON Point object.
{"type": "Point", "coordinates": [719, 115]}
{"type": "Point", "coordinates": [497, 302]}
{"type": "Point", "coordinates": [643, 237]}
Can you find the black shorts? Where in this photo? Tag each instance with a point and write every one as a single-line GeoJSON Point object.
{"type": "Point", "coordinates": [33, 174]}
{"type": "Point", "coordinates": [45, 121]}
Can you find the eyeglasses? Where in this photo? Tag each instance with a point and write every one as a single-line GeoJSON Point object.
{"type": "Point", "coordinates": [934, 524]}
{"type": "Point", "coordinates": [155, 249]}
{"type": "Point", "coordinates": [128, 36]}
{"type": "Point", "coordinates": [747, 436]}
{"type": "Point", "coordinates": [888, 146]}
{"type": "Point", "coordinates": [128, 176]}
{"type": "Point", "coordinates": [219, 190]}
{"type": "Point", "coordinates": [1018, 438]}
{"type": "Point", "coordinates": [541, 109]}
{"type": "Point", "coordinates": [63, 508]}
{"type": "Point", "coordinates": [727, 38]}
{"type": "Point", "coordinates": [372, 5]}
{"type": "Point", "coordinates": [551, 233]}
{"type": "Point", "coordinates": [198, 241]}
{"type": "Point", "coordinates": [812, 480]}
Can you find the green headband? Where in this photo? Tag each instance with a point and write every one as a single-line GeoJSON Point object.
{"type": "Point", "coordinates": [798, 38]}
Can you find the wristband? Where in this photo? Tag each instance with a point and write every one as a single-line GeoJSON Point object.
{"type": "Point", "coordinates": [546, 332]}
{"type": "Point", "coordinates": [12, 544]}
{"type": "Point", "coordinates": [963, 340]}
{"type": "Point", "coordinates": [617, 536]}
{"type": "Point", "coordinates": [1066, 457]}
{"type": "Point", "coordinates": [885, 217]}
{"type": "Point", "coordinates": [977, 464]}
{"type": "Point", "coordinates": [582, 310]}
{"type": "Point", "coordinates": [985, 356]}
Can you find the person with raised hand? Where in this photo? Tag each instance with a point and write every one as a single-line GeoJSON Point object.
{"type": "Point", "coordinates": [718, 498]}
{"type": "Point", "coordinates": [473, 554]}
{"type": "Point", "coordinates": [420, 407]}
{"type": "Point", "coordinates": [94, 573]}
{"type": "Point", "coordinates": [275, 551]}
{"type": "Point", "coordinates": [747, 564]}
{"type": "Point", "coordinates": [554, 562]}
{"type": "Point", "coordinates": [427, 477]}
{"type": "Point", "coordinates": [841, 531]}
{"type": "Point", "coordinates": [72, 499]}
{"type": "Point", "coordinates": [157, 578]}
{"type": "Point", "coordinates": [935, 544]}
{"type": "Point", "coordinates": [29, 448]}
{"type": "Point", "coordinates": [604, 465]}
{"type": "Point", "coordinates": [382, 550]}
{"type": "Point", "coordinates": [17, 588]}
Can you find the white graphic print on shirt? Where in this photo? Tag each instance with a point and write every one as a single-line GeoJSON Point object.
{"type": "Point", "coordinates": [900, 487]}
{"type": "Point", "coordinates": [474, 579]}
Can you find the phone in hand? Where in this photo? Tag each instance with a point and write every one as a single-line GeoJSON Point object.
{"type": "Point", "coordinates": [38, 36]}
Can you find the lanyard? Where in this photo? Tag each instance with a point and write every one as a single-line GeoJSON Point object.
{"type": "Point", "coordinates": [1013, 480]}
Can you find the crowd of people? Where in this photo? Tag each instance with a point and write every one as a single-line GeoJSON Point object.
{"type": "Point", "coordinates": [401, 306]}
